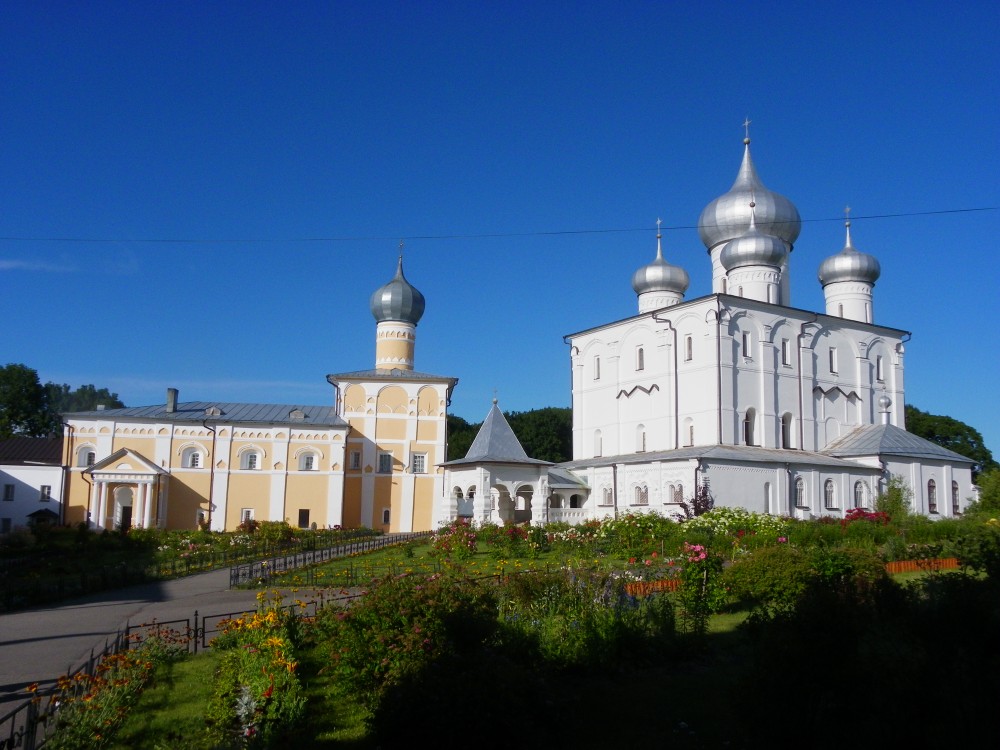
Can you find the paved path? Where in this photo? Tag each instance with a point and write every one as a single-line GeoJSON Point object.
{"type": "Point", "coordinates": [40, 645]}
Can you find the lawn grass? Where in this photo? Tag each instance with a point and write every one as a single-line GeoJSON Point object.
{"type": "Point", "coordinates": [171, 710]}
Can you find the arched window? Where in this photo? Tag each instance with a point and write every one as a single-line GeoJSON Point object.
{"type": "Point", "coordinates": [956, 508]}
{"type": "Point", "coordinates": [607, 498]}
{"type": "Point", "coordinates": [597, 368]}
{"type": "Point", "coordinates": [859, 494]}
{"type": "Point", "coordinates": [931, 496]}
{"type": "Point", "coordinates": [786, 431]}
{"type": "Point", "coordinates": [688, 349]}
{"type": "Point", "coordinates": [679, 493]}
{"type": "Point", "coordinates": [471, 494]}
{"type": "Point", "coordinates": [307, 462]}
{"type": "Point", "coordinates": [641, 495]}
{"type": "Point", "coordinates": [829, 494]}
{"type": "Point", "coordinates": [575, 501]}
{"type": "Point", "coordinates": [250, 460]}
{"type": "Point", "coordinates": [640, 358]}
{"type": "Point", "coordinates": [86, 456]}
{"type": "Point", "coordinates": [800, 491]}
{"type": "Point", "coordinates": [385, 515]}
{"type": "Point", "coordinates": [748, 426]}
{"type": "Point", "coordinates": [191, 458]}
{"type": "Point", "coordinates": [767, 498]}
{"type": "Point", "coordinates": [640, 439]}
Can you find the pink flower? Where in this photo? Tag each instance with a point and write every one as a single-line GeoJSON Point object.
{"type": "Point", "coordinates": [782, 539]}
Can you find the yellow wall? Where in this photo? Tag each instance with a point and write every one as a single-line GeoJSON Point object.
{"type": "Point", "coordinates": [352, 502]}
{"type": "Point", "coordinates": [423, 503]}
{"type": "Point", "coordinates": [390, 429]}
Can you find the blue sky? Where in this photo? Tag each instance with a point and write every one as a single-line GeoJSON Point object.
{"type": "Point", "coordinates": [204, 195]}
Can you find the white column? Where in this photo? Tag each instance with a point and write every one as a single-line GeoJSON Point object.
{"type": "Point", "coordinates": [102, 505]}
{"type": "Point", "coordinates": [147, 505]}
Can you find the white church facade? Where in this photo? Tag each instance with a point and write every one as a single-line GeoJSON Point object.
{"type": "Point", "coordinates": [762, 405]}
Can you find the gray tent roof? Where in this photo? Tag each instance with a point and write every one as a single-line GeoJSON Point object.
{"type": "Point", "coordinates": [889, 440]}
{"type": "Point", "coordinates": [196, 411]}
{"type": "Point", "coordinates": [496, 443]}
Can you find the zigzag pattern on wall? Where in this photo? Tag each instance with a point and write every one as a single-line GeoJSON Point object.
{"type": "Point", "coordinates": [647, 391]}
{"type": "Point", "coordinates": [846, 394]}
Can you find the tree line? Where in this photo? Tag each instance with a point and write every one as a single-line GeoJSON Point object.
{"type": "Point", "coordinates": [29, 408]}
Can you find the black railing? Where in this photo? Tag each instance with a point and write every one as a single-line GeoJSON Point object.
{"type": "Point", "coordinates": [263, 572]}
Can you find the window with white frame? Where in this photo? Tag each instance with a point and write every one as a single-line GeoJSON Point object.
{"type": "Point", "coordinates": [786, 430]}
{"type": "Point", "coordinates": [746, 344]}
{"type": "Point", "coordinates": [642, 495]}
{"type": "Point", "coordinates": [46, 493]}
{"type": "Point", "coordinates": [679, 493]}
{"type": "Point", "coordinates": [833, 360]}
{"type": "Point", "coordinates": [384, 462]}
{"type": "Point", "coordinates": [8, 492]}
{"type": "Point", "coordinates": [419, 463]}
{"type": "Point", "coordinates": [956, 507]}
{"type": "Point", "coordinates": [931, 496]}
{"type": "Point", "coordinates": [355, 460]}
{"type": "Point", "coordinates": [879, 373]}
{"type": "Point", "coordinates": [250, 460]}
{"type": "Point", "coordinates": [191, 458]}
{"type": "Point", "coordinates": [597, 367]}
{"type": "Point", "coordinates": [785, 353]}
{"type": "Point", "coordinates": [859, 494]}
{"type": "Point", "coordinates": [749, 426]}
{"type": "Point", "coordinates": [86, 456]}
{"type": "Point", "coordinates": [607, 498]}
{"type": "Point", "coordinates": [246, 514]}
{"type": "Point", "coordinates": [307, 462]}
{"type": "Point", "coordinates": [640, 358]}
{"type": "Point", "coordinates": [800, 491]}
{"type": "Point", "coordinates": [829, 494]}
{"type": "Point", "coordinates": [688, 348]}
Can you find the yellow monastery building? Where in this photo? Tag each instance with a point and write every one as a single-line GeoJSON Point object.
{"type": "Point", "coordinates": [369, 460]}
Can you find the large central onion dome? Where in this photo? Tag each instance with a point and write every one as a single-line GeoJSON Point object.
{"type": "Point", "coordinates": [849, 265]}
{"type": "Point", "coordinates": [753, 248]}
{"type": "Point", "coordinates": [660, 276]}
{"type": "Point", "coordinates": [728, 216]}
{"type": "Point", "coordinates": [398, 300]}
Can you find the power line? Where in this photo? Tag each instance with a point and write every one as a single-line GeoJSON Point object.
{"type": "Point", "coordinates": [483, 235]}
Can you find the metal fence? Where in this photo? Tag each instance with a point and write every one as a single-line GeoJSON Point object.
{"type": "Point", "coordinates": [263, 572]}
{"type": "Point", "coordinates": [32, 723]}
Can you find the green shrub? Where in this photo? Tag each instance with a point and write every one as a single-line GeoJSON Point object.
{"type": "Point", "coordinates": [403, 625]}
{"type": "Point", "coordinates": [773, 578]}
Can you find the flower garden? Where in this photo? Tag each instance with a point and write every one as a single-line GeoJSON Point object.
{"type": "Point", "coordinates": [536, 636]}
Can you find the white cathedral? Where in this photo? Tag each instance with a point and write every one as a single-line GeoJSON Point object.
{"type": "Point", "coordinates": [762, 405]}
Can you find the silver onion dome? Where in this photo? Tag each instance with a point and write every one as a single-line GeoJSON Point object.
{"type": "Point", "coordinates": [849, 265]}
{"type": "Point", "coordinates": [398, 300]}
{"type": "Point", "coordinates": [660, 276]}
{"type": "Point", "coordinates": [728, 216]}
{"type": "Point", "coordinates": [753, 248]}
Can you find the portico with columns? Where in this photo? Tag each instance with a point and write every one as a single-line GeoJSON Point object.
{"type": "Point", "coordinates": [126, 491]}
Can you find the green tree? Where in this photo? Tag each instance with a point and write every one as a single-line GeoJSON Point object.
{"type": "Point", "coordinates": [951, 434]}
{"type": "Point", "coordinates": [24, 408]}
{"type": "Point", "coordinates": [460, 436]}
{"type": "Point", "coordinates": [63, 400]}
{"type": "Point", "coordinates": [989, 494]}
{"type": "Point", "coordinates": [896, 499]}
{"type": "Point", "coordinates": [545, 434]}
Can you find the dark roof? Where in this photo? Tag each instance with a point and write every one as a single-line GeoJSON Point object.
{"type": "Point", "coordinates": [31, 450]}
{"type": "Point", "coordinates": [195, 411]}
{"type": "Point", "coordinates": [719, 453]}
{"type": "Point", "coordinates": [496, 443]}
{"type": "Point", "coordinates": [562, 479]}
{"type": "Point", "coordinates": [889, 440]}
